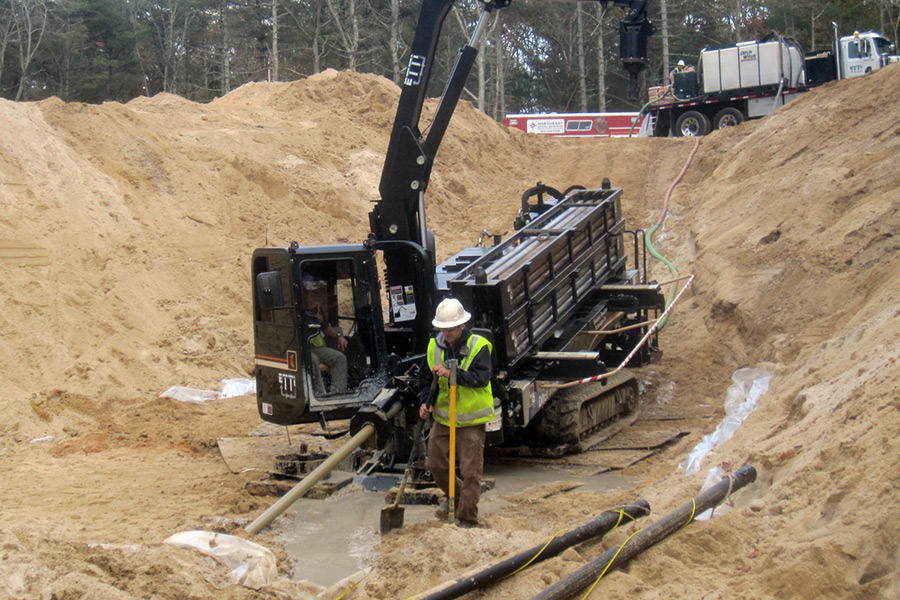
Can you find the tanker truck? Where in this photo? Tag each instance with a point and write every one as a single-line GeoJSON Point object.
{"type": "Point", "coordinates": [751, 79]}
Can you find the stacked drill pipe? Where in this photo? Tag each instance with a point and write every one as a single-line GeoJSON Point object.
{"type": "Point", "coordinates": [645, 538]}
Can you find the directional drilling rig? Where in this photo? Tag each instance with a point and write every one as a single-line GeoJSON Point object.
{"type": "Point", "coordinates": [540, 296]}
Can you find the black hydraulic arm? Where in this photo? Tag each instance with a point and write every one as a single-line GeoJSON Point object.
{"type": "Point", "coordinates": [399, 215]}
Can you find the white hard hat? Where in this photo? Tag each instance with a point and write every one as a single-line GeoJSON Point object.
{"type": "Point", "coordinates": [311, 283]}
{"type": "Point", "coordinates": [680, 63]}
{"type": "Point", "coordinates": [450, 313]}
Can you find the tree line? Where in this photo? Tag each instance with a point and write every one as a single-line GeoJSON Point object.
{"type": "Point", "coordinates": [538, 55]}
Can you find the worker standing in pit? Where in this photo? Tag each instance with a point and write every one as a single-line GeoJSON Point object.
{"type": "Point", "coordinates": [474, 407]}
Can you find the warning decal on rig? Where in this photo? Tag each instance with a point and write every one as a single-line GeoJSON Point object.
{"type": "Point", "coordinates": [403, 303]}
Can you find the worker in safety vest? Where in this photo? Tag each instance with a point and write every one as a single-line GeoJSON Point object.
{"type": "Point", "coordinates": [679, 68]}
{"type": "Point", "coordinates": [329, 344]}
{"type": "Point", "coordinates": [474, 407]}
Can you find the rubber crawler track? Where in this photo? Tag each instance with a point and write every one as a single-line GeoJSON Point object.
{"type": "Point", "coordinates": [574, 414]}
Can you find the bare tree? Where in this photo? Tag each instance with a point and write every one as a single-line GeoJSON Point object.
{"type": "Point", "coordinates": [579, 53]}
{"type": "Point", "coordinates": [889, 13]}
{"type": "Point", "coordinates": [274, 40]}
{"type": "Point", "coordinates": [29, 24]}
{"type": "Point", "coordinates": [224, 48]}
{"type": "Point", "coordinates": [317, 39]}
{"type": "Point", "coordinates": [349, 39]}
{"type": "Point", "coordinates": [601, 58]}
{"type": "Point", "coordinates": [6, 31]}
{"type": "Point", "coordinates": [313, 32]}
{"type": "Point", "coordinates": [172, 21]}
{"type": "Point", "coordinates": [812, 28]}
{"type": "Point", "coordinates": [395, 40]}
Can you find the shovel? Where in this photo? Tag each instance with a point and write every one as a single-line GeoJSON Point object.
{"type": "Point", "coordinates": [451, 496]}
{"type": "Point", "coordinates": [392, 516]}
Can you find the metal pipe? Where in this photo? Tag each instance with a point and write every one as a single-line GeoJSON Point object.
{"type": "Point", "coordinates": [310, 480]}
{"type": "Point", "coordinates": [319, 473]}
{"type": "Point", "coordinates": [645, 538]}
{"type": "Point", "coordinates": [587, 355]}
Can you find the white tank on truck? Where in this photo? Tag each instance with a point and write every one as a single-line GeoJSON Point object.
{"type": "Point", "coordinates": [752, 64]}
{"type": "Point", "coordinates": [751, 79]}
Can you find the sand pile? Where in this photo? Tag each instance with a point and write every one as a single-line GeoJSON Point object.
{"type": "Point", "coordinates": [125, 238]}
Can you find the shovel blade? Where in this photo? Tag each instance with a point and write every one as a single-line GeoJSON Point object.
{"type": "Point", "coordinates": [391, 518]}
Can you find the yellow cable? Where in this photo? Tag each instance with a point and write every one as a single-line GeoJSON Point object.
{"type": "Point", "coordinates": [352, 587]}
{"type": "Point", "coordinates": [533, 558]}
{"type": "Point", "coordinates": [622, 514]}
{"type": "Point", "coordinates": [609, 564]}
{"type": "Point", "coordinates": [693, 512]}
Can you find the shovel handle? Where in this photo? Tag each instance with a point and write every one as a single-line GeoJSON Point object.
{"type": "Point", "coordinates": [451, 501]}
{"type": "Point", "coordinates": [409, 468]}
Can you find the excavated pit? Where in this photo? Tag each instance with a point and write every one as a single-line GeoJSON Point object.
{"type": "Point", "coordinates": [125, 238]}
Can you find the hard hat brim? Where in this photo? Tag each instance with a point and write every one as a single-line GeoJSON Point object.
{"type": "Point", "coordinates": [450, 324]}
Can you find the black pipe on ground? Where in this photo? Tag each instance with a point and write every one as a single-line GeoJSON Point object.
{"type": "Point", "coordinates": [604, 523]}
{"type": "Point", "coordinates": [645, 538]}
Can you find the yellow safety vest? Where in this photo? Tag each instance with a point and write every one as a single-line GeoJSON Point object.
{"type": "Point", "coordinates": [474, 406]}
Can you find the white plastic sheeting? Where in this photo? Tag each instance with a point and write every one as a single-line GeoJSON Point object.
{"type": "Point", "coordinates": [231, 388]}
{"type": "Point", "coordinates": [250, 564]}
{"type": "Point", "coordinates": [741, 399]}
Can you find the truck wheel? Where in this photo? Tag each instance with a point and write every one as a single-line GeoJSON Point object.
{"type": "Point", "coordinates": [728, 117]}
{"type": "Point", "coordinates": [692, 124]}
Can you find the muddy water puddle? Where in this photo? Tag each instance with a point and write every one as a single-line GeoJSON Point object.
{"type": "Point", "coordinates": [334, 538]}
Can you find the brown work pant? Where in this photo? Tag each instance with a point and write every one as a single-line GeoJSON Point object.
{"type": "Point", "coordinates": [469, 454]}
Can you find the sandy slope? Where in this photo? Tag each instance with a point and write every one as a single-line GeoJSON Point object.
{"type": "Point", "coordinates": [125, 238]}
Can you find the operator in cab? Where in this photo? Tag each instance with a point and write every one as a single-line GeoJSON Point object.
{"type": "Point", "coordinates": [329, 344]}
{"type": "Point", "coordinates": [474, 407]}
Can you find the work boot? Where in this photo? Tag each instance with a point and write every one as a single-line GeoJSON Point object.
{"type": "Point", "coordinates": [466, 524]}
{"type": "Point", "coordinates": [443, 509]}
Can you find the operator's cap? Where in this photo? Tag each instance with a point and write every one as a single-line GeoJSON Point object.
{"type": "Point", "coordinates": [312, 283]}
{"type": "Point", "coordinates": [680, 63]}
{"type": "Point", "coordinates": [450, 313]}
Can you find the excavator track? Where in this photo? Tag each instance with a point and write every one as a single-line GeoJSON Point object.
{"type": "Point", "coordinates": [579, 416]}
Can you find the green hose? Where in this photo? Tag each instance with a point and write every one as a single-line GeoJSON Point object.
{"type": "Point", "coordinates": [648, 239]}
{"type": "Point", "coordinates": [640, 112]}
{"type": "Point", "coordinates": [649, 245]}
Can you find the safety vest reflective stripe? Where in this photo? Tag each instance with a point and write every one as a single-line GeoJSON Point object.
{"type": "Point", "coordinates": [474, 405]}
{"type": "Point", "coordinates": [465, 417]}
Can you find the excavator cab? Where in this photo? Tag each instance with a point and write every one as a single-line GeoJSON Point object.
{"type": "Point", "coordinates": [318, 332]}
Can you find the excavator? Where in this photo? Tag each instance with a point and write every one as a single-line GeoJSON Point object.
{"type": "Point", "coordinates": [340, 331]}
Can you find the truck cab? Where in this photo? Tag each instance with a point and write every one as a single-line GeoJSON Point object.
{"type": "Point", "coordinates": [863, 53]}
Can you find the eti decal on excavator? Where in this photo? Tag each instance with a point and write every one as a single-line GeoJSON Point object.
{"type": "Point", "coordinates": [341, 330]}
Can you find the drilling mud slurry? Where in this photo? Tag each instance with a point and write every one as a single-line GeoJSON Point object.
{"type": "Point", "coordinates": [334, 538]}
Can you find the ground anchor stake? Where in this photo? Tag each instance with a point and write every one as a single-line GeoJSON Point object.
{"type": "Point", "coordinates": [650, 536]}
